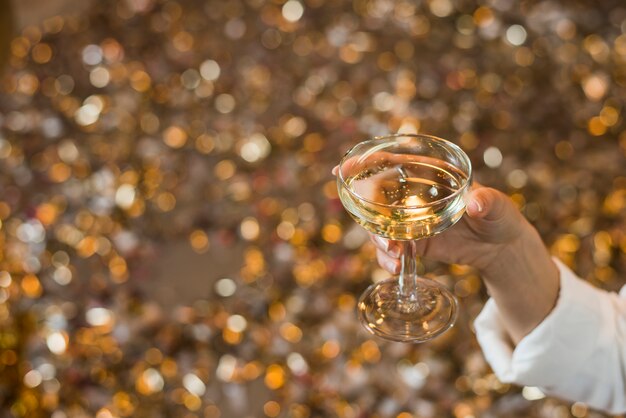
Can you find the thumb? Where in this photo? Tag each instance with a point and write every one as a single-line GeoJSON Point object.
{"type": "Point", "coordinates": [493, 214]}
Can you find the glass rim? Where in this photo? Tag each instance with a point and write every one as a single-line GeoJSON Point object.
{"type": "Point", "coordinates": [447, 143]}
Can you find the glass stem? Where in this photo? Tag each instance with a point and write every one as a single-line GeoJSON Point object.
{"type": "Point", "coordinates": [408, 274]}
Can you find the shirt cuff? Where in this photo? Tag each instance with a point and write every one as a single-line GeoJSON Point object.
{"type": "Point", "coordinates": [551, 352]}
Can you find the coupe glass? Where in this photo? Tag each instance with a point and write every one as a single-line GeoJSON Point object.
{"type": "Point", "coordinates": [405, 187]}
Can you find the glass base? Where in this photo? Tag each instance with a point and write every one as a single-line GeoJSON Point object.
{"type": "Point", "coordinates": [385, 313]}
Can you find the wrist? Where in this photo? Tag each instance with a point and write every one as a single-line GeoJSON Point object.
{"type": "Point", "coordinates": [521, 258]}
{"type": "Point", "coordinates": [523, 280]}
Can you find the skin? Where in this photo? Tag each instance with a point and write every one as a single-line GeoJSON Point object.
{"type": "Point", "coordinates": [504, 247]}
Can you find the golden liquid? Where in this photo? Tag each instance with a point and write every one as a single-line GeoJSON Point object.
{"type": "Point", "coordinates": [404, 201]}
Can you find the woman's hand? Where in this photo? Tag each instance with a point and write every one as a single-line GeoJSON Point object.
{"type": "Point", "coordinates": [496, 239]}
{"type": "Point", "coordinates": [492, 224]}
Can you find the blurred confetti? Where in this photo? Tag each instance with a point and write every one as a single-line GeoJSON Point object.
{"type": "Point", "coordinates": [216, 124]}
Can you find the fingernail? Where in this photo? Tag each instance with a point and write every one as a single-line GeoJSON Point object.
{"type": "Point", "coordinates": [384, 244]}
{"type": "Point", "coordinates": [390, 266]}
{"type": "Point", "coordinates": [394, 251]}
{"type": "Point", "coordinates": [475, 206]}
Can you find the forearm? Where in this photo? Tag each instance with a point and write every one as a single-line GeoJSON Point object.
{"type": "Point", "coordinates": [524, 282]}
{"type": "Point", "coordinates": [575, 353]}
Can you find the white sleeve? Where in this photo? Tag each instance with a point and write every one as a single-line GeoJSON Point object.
{"type": "Point", "coordinates": [577, 353]}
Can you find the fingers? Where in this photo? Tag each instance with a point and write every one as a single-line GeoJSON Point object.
{"type": "Point", "coordinates": [392, 265]}
{"type": "Point", "coordinates": [348, 167]}
{"type": "Point", "coordinates": [489, 204]}
{"type": "Point", "coordinates": [387, 253]}
{"type": "Point", "coordinates": [392, 248]}
{"type": "Point", "coordinates": [473, 206]}
{"type": "Point", "coordinates": [493, 213]}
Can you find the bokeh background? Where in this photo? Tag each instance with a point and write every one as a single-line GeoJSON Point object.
{"type": "Point", "coordinates": [171, 240]}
